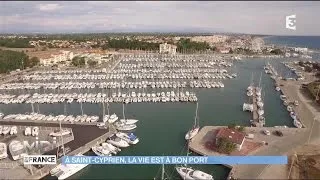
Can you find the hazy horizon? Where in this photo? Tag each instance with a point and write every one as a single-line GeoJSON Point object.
{"type": "Point", "coordinates": [240, 17]}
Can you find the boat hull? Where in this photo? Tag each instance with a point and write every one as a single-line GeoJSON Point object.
{"type": "Point", "coordinates": [192, 133]}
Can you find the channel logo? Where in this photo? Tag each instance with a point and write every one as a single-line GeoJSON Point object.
{"type": "Point", "coordinates": [39, 159]}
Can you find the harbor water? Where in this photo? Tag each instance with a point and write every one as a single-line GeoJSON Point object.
{"type": "Point", "coordinates": [162, 126]}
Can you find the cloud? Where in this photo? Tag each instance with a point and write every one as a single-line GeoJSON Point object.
{"type": "Point", "coordinates": [49, 7]}
{"type": "Point", "coordinates": [238, 17]}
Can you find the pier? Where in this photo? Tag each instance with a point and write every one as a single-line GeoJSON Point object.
{"type": "Point", "coordinates": [85, 137]}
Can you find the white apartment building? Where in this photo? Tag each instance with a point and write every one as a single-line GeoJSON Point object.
{"type": "Point", "coordinates": [63, 56]}
{"type": "Point", "coordinates": [168, 48]}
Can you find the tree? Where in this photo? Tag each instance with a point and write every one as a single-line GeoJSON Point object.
{"type": "Point", "coordinates": [225, 145]}
{"type": "Point", "coordinates": [78, 61]}
{"type": "Point", "coordinates": [241, 128]}
{"type": "Point", "coordinates": [91, 63]}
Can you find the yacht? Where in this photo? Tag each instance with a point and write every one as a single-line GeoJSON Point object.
{"type": "Point", "coordinates": [118, 142]}
{"type": "Point", "coordinates": [129, 138]}
{"type": "Point", "coordinates": [3, 151]}
{"type": "Point", "coordinates": [101, 151]}
{"type": "Point", "coordinates": [188, 173]}
{"type": "Point", "coordinates": [57, 133]}
{"type": "Point", "coordinates": [17, 150]}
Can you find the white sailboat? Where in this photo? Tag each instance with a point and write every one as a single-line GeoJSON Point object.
{"type": "Point", "coordinates": [111, 148]}
{"type": "Point", "coordinates": [195, 129]}
{"type": "Point", "coordinates": [162, 174]}
{"type": "Point", "coordinates": [297, 123]}
{"type": "Point", "coordinates": [127, 121]}
{"type": "Point", "coordinates": [188, 173]}
{"type": "Point", "coordinates": [101, 151]}
{"type": "Point", "coordinates": [118, 142]}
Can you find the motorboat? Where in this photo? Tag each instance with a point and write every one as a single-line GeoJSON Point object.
{"type": "Point", "coordinates": [260, 104]}
{"type": "Point", "coordinates": [1, 127]}
{"type": "Point", "coordinates": [278, 88]}
{"type": "Point", "coordinates": [101, 151]}
{"type": "Point", "coordinates": [125, 127]}
{"type": "Point", "coordinates": [3, 150]}
{"type": "Point", "coordinates": [58, 133]}
{"type": "Point", "coordinates": [106, 118]}
{"type": "Point", "coordinates": [1, 115]}
{"type": "Point", "coordinates": [260, 112]}
{"type": "Point", "coordinates": [188, 173]}
{"type": "Point", "coordinates": [112, 149]}
{"type": "Point", "coordinates": [297, 123]}
{"type": "Point", "coordinates": [293, 115]}
{"type": "Point", "coordinates": [290, 108]}
{"type": "Point", "coordinates": [129, 138]}
{"type": "Point", "coordinates": [118, 142]}
{"type": "Point", "coordinates": [249, 93]}
{"type": "Point", "coordinates": [128, 121]}
{"type": "Point", "coordinates": [17, 150]}
{"type": "Point", "coordinates": [283, 97]}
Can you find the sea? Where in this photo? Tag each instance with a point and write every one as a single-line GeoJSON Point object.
{"type": "Point", "coordinates": [162, 126]}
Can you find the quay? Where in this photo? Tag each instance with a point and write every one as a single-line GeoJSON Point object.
{"type": "Point", "coordinates": [261, 144]}
{"type": "Point", "coordinates": [85, 137]}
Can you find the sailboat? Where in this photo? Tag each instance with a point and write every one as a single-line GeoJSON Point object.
{"type": "Point", "coordinates": [162, 174]}
{"type": "Point", "coordinates": [127, 121]}
{"type": "Point", "coordinates": [188, 173]}
{"type": "Point", "coordinates": [125, 125]}
{"type": "Point", "coordinates": [195, 129]}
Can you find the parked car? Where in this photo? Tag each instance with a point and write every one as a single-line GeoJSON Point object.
{"type": "Point", "coordinates": [27, 131]}
{"type": "Point", "coordinates": [266, 132]}
{"type": "Point", "coordinates": [278, 133]}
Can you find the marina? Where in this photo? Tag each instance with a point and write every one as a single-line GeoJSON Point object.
{"type": "Point", "coordinates": [206, 97]}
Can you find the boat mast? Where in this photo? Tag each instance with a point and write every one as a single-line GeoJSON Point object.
{"type": "Point", "coordinates": [162, 173]}
{"type": "Point", "coordinates": [123, 111]}
{"type": "Point", "coordinates": [196, 123]}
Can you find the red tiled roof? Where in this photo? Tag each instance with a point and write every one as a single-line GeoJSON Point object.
{"type": "Point", "coordinates": [231, 134]}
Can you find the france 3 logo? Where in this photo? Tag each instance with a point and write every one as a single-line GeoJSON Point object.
{"type": "Point", "coordinates": [39, 159]}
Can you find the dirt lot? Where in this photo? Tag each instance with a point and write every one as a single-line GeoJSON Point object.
{"type": "Point", "coordinates": [305, 163]}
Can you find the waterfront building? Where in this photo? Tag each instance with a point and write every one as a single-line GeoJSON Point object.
{"type": "Point", "coordinates": [168, 48]}
{"type": "Point", "coordinates": [232, 135]}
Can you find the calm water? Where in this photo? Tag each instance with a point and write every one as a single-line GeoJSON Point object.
{"type": "Point", "coordinates": [312, 42]}
{"type": "Point", "coordinates": [162, 126]}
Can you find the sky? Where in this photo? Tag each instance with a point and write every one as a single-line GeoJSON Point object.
{"type": "Point", "coordinates": [159, 16]}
